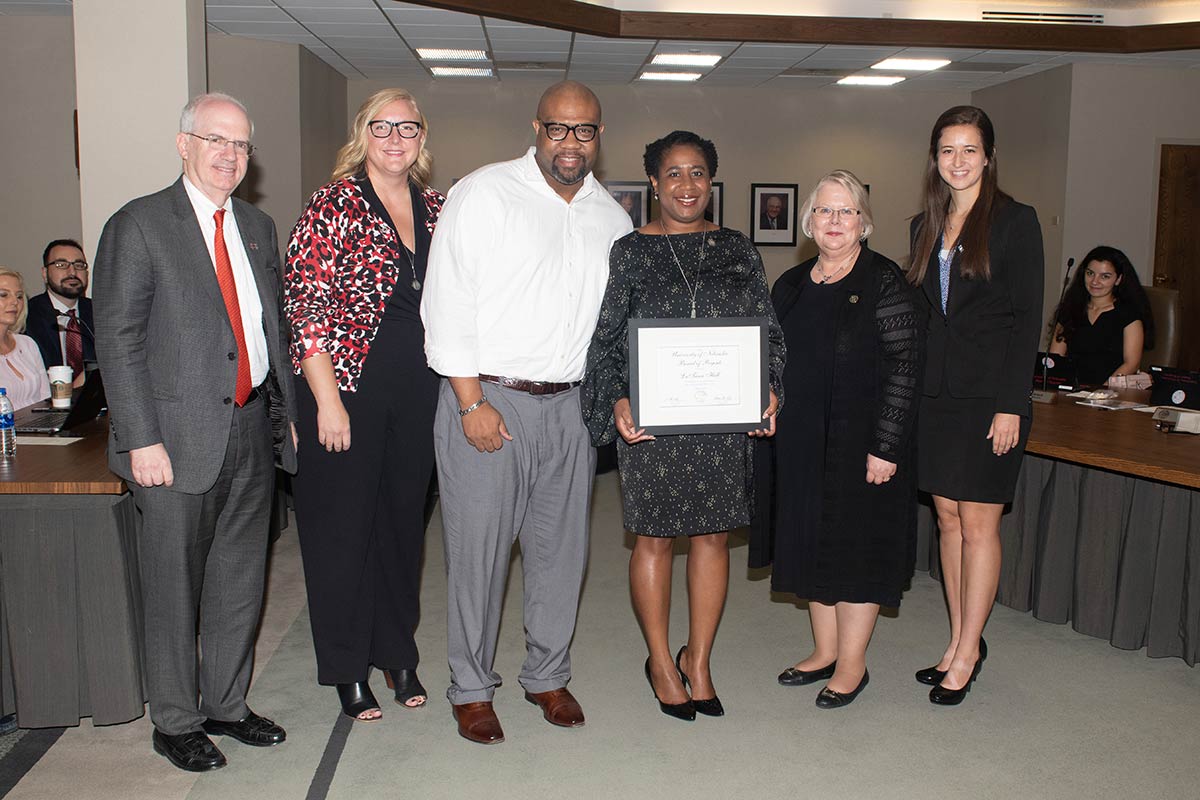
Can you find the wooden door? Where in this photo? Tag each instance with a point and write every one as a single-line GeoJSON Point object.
{"type": "Point", "coordinates": [1177, 241]}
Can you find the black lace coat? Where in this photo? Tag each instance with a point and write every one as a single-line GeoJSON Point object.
{"type": "Point", "coordinates": [837, 537]}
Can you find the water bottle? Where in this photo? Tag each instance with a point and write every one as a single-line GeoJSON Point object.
{"type": "Point", "coordinates": [8, 428]}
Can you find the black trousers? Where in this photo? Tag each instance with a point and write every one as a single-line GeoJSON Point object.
{"type": "Point", "coordinates": [361, 513]}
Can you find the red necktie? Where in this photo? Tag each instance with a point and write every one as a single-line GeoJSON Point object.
{"type": "Point", "coordinates": [74, 343]}
{"type": "Point", "coordinates": [229, 292]}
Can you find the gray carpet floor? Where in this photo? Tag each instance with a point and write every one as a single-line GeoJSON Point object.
{"type": "Point", "coordinates": [1054, 714]}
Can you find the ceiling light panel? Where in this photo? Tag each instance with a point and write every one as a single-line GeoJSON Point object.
{"type": "Point", "coordinates": [680, 77]}
{"type": "Point", "coordinates": [685, 59]}
{"type": "Point", "coordinates": [911, 64]}
{"type": "Point", "coordinates": [871, 80]}
{"type": "Point", "coordinates": [445, 54]}
{"type": "Point", "coordinates": [461, 72]}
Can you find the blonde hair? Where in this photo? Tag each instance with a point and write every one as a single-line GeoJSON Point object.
{"type": "Point", "coordinates": [351, 159]}
{"type": "Point", "coordinates": [858, 192]}
{"type": "Point", "coordinates": [5, 272]}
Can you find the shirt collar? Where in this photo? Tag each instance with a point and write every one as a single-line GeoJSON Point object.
{"type": "Point", "coordinates": [58, 303]}
{"type": "Point", "coordinates": [204, 207]}
{"type": "Point", "coordinates": [533, 173]}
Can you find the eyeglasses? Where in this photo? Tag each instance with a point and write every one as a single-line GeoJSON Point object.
{"type": "Point", "coordinates": [557, 131]}
{"type": "Point", "coordinates": [64, 266]}
{"type": "Point", "coordinates": [382, 129]}
{"type": "Point", "coordinates": [218, 143]}
{"type": "Point", "coordinates": [825, 212]}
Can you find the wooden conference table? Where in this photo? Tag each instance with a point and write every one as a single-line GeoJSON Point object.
{"type": "Point", "coordinates": [70, 604]}
{"type": "Point", "coordinates": [1104, 530]}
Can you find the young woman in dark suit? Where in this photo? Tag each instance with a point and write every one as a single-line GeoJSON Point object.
{"type": "Point", "coordinates": [977, 255]}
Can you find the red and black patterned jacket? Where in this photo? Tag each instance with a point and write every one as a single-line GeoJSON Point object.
{"type": "Point", "coordinates": [343, 261]}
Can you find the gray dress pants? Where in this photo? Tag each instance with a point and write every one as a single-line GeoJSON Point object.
{"type": "Point", "coordinates": [535, 489]}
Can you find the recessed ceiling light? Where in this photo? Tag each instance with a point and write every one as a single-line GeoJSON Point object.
{"type": "Point", "coordinates": [437, 54]}
{"type": "Point", "coordinates": [870, 80]}
{"type": "Point", "coordinates": [462, 72]}
{"type": "Point", "coordinates": [911, 64]}
{"type": "Point", "coordinates": [685, 59]}
{"type": "Point", "coordinates": [669, 76]}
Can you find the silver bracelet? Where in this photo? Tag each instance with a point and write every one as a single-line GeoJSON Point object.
{"type": "Point", "coordinates": [462, 412]}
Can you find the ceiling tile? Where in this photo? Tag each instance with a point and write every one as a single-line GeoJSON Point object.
{"type": "Point", "coordinates": [342, 15]}
{"type": "Point", "coordinates": [430, 16]}
{"type": "Point", "coordinates": [326, 3]}
{"type": "Point", "coordinates": [219, 14]}
{"type": "Point", "coordinates": [776, 51]}
{"type": "Point", "coordinates": [379, 29]}
{"type": "Point", "coordinates": [259, 28]}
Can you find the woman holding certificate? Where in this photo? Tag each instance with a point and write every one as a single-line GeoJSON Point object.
{"type": "Point", "coordinates": [845, 488]}
{"type": "Point", "coordinates": [694, 485]}
{"type": "Point", "coordinates": [977, 256]}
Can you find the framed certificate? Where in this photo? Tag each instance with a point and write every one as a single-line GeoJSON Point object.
{"type": "Point", "coordinates": [698, 375]}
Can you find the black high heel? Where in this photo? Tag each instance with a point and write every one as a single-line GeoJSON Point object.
{"type": "Point", "coordinates": [356, 698]}
{"type": "Point", "coordinates": [933, 676]}
{"type": "Point", "coordinates": [709, 708]}
{"type": "Point", "coordinates": [684, 711]}
{"type": "Point", "coordinates": [406, 685]}
{"type": "Point", "coordinates": [942, 696]}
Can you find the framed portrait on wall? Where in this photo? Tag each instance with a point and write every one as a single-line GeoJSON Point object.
{"type": "Point", "coordinates": [773, 214]}
{"type": "Point", "coordinates": [715, 211]}
{"type": "Point", "coordinates": [634, 197]}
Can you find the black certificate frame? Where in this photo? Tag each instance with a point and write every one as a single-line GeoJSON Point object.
{"type": "Point", "coordinates": [758, 378]}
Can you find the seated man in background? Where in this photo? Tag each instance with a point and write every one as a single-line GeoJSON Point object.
{"type": "Point", "coordinates": [60, 318]}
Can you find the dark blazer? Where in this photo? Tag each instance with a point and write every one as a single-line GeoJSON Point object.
{"type": "Point", "coordinates": [165, 343]}
{"type": "Point", "coordinates": [42, 326]}
{"type": "Point", "coordinates": [985, 343]}
{"type": "Point", "coordinates": [764, 222]}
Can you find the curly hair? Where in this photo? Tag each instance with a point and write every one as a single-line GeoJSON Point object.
{"type": "Point", "coordinates": [652, 160]}
{"type": "Point", "coordinates": [1071, 314]}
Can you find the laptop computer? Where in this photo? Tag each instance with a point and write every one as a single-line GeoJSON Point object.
{"type": "Point", "coordinates": [1058, 372]}
{"type": "Point", "coordinates": [87, 404]}
{"type": "Point", "coordinates": [1179, 388]}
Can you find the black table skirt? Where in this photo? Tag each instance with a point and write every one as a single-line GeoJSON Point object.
{"type": "Point", "coordinates": [71, 610]}
{"type": "Point", "coordinates": [1116, 556]}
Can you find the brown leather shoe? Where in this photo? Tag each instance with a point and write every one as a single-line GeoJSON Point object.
{"type": "Point", "coordinates": [558, 706]}
{"type": "Point", "coordinates": [478, 722]}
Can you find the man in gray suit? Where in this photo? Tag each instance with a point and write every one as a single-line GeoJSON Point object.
{"type": "Point", "coordinates": [194, 356]}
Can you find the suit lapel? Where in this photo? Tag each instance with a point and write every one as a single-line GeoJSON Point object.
{"type": "Point", "coordinates": [265, 279]}
{"type": "Point", "coordinates": [193, 249]}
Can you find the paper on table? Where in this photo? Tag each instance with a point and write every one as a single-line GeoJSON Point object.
{"type": "Point", "coordinates": [53, 441]}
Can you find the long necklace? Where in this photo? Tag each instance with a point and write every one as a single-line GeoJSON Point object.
{"type": "Point", "coordinates": [416, 284]}
{"type": "Point", "coordinates": [699, 267]}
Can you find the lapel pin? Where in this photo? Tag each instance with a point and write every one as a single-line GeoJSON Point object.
{"type": "Point", "coordinates": [853, 298]}
{"type": "Point", "coordinates": [252, 245]}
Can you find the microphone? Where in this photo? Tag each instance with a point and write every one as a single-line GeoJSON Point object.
{"type": "Point", "coordinates": [1054, 324]}
{"type": "Point", "coordinates": [79, 319]}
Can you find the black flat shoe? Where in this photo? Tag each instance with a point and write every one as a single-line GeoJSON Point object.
{"type": "Point", "coordinates": [932, 676]}
{"type": "Point", "coordinates": [941, 696]}
{"type": "Point", "coordinates": [253, 730]}
{"type": "Point", "coordinates": [685, 711]}
{"type": "Point", "coordinates": [711, 707]}
{"type": "Point", "coordinates": [798, 677]}
{"type": "Point", "coordinates": [357, 698]}
{"type": "Point", "coordinates": [828, 698]}
{"type": "Point", "coordinates": [193, 751]}
{"type": "Point", "coordinates": [407, 686]}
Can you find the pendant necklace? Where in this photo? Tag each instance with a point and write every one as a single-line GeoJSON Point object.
{"type": "Point", "coordinates": [827, 277]}
{"type": "Point", "coordinates": [416, 284]}
{"type": "Point", "coordinates": [700, 266]}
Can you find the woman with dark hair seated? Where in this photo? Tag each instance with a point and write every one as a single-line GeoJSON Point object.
{"type": "Point", "coordinates": [1104, 321]}
{"type": "Point", "coordinates": [694, 485]}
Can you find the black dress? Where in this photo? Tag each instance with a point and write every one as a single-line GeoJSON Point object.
{"type": "Point", "coordinates": [1098, 348]}
{"type": "Point", "coordinates": [683, 484]}
{"type": "Point", "coordinates": [851, 380]}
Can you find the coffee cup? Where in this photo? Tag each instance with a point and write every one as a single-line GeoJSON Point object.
{"type": "Point", "coordinates": [60, 386]}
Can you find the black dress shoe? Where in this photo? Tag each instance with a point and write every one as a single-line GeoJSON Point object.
{"type": "Point", "coordinates": [253, 730]}
{"type": "Point", "coordinates": [712, 706]}
{"type": "Point", "coordinates": [407, 686]}
{"type": "Point", "coordinates": [357, 698]}
{"type": "Point", "coordinates": [798, 677]}
{"type": "Point", "coordinates": [942, 696]}
{"type": "Point", "coordinates": [828, 698]}
{"type": "Point", "coordinates": [192, 751]}
{"type": "Point", "coordinates": [932, 676]}
{"type": "Point", "coordinates": [684, 711]}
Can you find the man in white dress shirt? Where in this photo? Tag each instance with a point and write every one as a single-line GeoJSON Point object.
{"type": "Point", "coordinates": [517, 270]}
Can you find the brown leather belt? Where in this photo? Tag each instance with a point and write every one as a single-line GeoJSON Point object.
{"type": "Point", "coordinates": [532, 387]}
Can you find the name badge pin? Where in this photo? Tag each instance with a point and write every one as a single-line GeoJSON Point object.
{"type": "Point", "coordinates": [853, 298]}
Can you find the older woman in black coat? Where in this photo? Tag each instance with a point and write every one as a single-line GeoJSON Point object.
{"type": "Point", "coordinates": [845, 484]}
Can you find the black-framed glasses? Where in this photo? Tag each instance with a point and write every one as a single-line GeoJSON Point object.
{"type": "Point", "coordinates": [62, 265]}
{"type": "Point", "coordinates": [242, 148]}
{"type": "Point", "coordinates": [825, 212]}
{"type": "Point", "coordinates": [382, 129]}
{"type": "Point", "coordinates": [557, 131]}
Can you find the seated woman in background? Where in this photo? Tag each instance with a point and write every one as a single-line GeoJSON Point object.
{"type": "Point", "coordinates": [21, 370]}
{"type": "Point", "coordinates": [1104, 321]}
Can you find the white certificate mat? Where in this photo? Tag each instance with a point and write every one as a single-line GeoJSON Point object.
{"type": "Point", "coordinates": [698, 375]}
